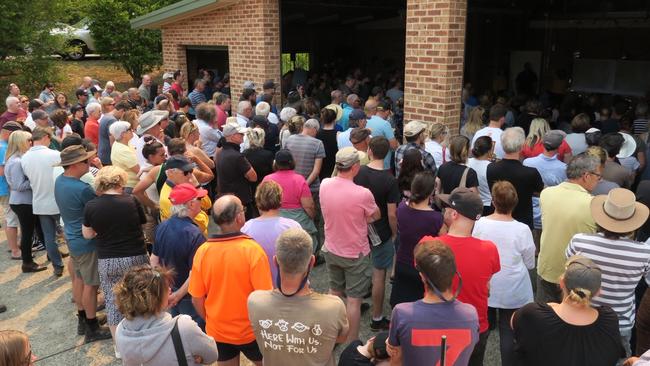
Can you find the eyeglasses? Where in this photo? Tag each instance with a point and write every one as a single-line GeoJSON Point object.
{"type": "Point", "coordinates": [596, 174]}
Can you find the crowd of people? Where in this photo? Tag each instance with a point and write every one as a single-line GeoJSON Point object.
{"type": "Point", "coordinates": [525, 222]}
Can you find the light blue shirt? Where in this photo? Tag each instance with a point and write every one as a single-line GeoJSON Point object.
{"type": "Point", "coordinates": [553, 172]}
{"type": "Point", "coordinates": [343, 139]}
{"type": "Point", "coordinates": [344, 122]}
{"type": "Point", "coordinates": [381, 127]}
{"type": "Point", "coordinates": [210, 136]}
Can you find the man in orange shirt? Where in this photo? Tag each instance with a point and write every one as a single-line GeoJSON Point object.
{"type": "Point", "coordinates": [226, 269]}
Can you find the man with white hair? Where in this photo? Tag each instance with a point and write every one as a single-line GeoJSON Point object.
{"type": "Point", "coordinates": [13, 109]}
{"type": "Point", "coordinates": [91, 128]}
{"type": "Point", "coordinates": [264, 109]}
{"type": "Point", "coordinates": [177, 240]}
{"type": "Point", "coordinates": [244, 113]}
{"type": "Point", "coordinates": [527, 181]}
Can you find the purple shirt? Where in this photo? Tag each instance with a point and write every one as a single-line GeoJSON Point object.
{"type": "Point", "coordinates": [412, 225]}
{"type": "Point", "coordinates": [418, 328]}
{"type": "Point", "coordinates": [265, 231]}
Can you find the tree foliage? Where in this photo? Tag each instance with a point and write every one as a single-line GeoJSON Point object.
{"type": "Point", "coordinates": [26, 44]}
{"type": "Point", "coordinates": [137, 51]}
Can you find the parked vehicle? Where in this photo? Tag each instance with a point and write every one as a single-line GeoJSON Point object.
{"type": "Point", "coordinates": [78, 39]}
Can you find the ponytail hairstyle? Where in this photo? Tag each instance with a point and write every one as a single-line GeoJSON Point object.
{"type": "Point", "coordinates": [422, 186]}
{"type": "Point", "coordinates": [482, 146]}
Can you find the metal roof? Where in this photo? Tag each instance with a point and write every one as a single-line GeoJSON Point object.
{"type": "Point", "coordinates": [174, 12]}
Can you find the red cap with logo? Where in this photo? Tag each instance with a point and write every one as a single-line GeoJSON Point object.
{"type": "Point", "coordinates": [185, 192]}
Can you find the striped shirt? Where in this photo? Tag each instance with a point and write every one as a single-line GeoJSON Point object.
{"type": "Point", "coordinates": [305, 150]}
{"type": "Point", "coordinates": [623, 262]}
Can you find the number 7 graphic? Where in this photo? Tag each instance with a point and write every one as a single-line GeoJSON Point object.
{"type": "Point", "coordinates": [457, 341]}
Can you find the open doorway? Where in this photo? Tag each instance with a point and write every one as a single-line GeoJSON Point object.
{"type": "Point", "coordinates": [212, 58]}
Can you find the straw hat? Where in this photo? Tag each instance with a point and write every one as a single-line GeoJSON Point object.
{"type": "Point", "coordinates": [74, 154]}
{"type": "Point", "coordinates": [618, 211]}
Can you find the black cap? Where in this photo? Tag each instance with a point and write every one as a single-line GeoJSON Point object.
{"type": "Point", "coordinates": [81, 91]}
{"type": "Point", "coordinates": [283, 157]}
{"type": "Point", "coordinates": [179, 162]}
{"type": "Point", "coordinates": [269, 84]}
{"type": "Point", "coordinates": [466, 202]}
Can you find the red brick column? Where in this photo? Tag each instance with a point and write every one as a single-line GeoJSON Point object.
{"type": "Point", "coordinates": [250, 29]}
{"type": "Point", "coordinates": [435, 43]}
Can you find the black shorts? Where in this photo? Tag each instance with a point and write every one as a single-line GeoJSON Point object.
{"type": "Point", "coordinates": [229, 351]}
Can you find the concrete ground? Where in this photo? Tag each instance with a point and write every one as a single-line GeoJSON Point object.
{"type": "Point", "coordinates": [40, 305]}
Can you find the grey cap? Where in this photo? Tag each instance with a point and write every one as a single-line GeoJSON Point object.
{"type": "Point", "coordinates": [582, 273]}
{"type": "Point", "coordinates": [553, 139]}
{"type": "Point", "coordinates": [232, 129]}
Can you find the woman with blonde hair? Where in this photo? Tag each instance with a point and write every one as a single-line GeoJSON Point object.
{"type": "Point", "coordinates": [20, 197]}
{"type": "Point", "coordinates": [572, 332]}
{"type": "Point", "coordinates": [534, 144]}
{"type": "Point", "coordinates": [190, 133]}
{"type": "Point", "coordinates": [146, 334]}
{"type": "Point", "coordinates": [15, 349]}
{"type": "Point", "coordinates": [261, 159]}
{"type": "Point", "coordinates": [436, 145]}
{"type": "Point", "coordinates": [114, 220]}
{"type": "Point", "coordinates": [474, 122]}
{"type": "Point", "coordinates": [455, 173]}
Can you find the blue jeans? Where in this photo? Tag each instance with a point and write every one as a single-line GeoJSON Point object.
{"type": "Point", "coordinates": [48, 224]}
{"type": "Point", "coordinates": [186, 307]}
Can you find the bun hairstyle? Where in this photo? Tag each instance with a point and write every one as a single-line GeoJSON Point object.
{"type": "Point", "coordinates": [582, 279]}
{"type": "Point", "coordinates": [580, 296]}
{"type": "Point", "coordinates": [482, 146]}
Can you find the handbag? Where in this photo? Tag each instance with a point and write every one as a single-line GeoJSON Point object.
{"type": "Point", "coordinates": [178, 345]}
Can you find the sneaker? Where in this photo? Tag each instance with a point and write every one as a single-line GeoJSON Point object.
{"type": "Point", "coordinates": [377, 325]}
{"type": "Point", "coordinates": [96, 333]}
{"type": "Point", "coordinates": [3, 308]}
{"type": "Point", "coordinates": [58, 271]}
{"type": "Point", "coordinates": [37, 245]}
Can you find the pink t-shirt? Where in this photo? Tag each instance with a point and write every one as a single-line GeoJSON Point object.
{"type": "Point", "coordinates": [294, 187]}
{"type": "Point", "coordinates": [346, 207]}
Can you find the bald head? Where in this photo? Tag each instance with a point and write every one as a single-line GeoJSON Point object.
{"type": "Point", "coordinates": [371, 107]}
{"type": "Point", "coordinates": [226, 213]}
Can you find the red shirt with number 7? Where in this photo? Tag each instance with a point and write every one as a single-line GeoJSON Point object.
{"type": "Point", "coordinates": [476, 261]}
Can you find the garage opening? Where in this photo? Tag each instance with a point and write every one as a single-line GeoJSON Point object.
{"type": "Point", "coordinates": [211, 58]}
{"type": "Point", "coordinates": [323, 41]}
{"type": "Point", "coordinates": [588, 46]}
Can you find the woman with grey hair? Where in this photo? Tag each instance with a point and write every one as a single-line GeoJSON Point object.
{"type": "Point", "coordinates": [260, 158]}
{"type": "Point", "coordinates": [123, 154]}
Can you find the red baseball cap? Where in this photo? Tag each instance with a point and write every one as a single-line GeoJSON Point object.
{"type": "Point", "coordinates": [185, 192]}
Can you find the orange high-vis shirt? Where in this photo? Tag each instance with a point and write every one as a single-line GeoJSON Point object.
{"type": "Point", "coordinates": [226, 269]}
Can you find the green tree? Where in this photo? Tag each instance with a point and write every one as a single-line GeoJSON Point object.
{"type": "Point", "coordinates": [27, 45]}
{"type": "Point", "coordinates": [137, 51]}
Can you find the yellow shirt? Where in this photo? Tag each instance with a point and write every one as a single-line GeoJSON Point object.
{"type": "Point", "coordinates": [123, 156]}
{"type": "Point", "coordinates": [201, 219]}
{"type": "Point", "coordinates": [565, 212]}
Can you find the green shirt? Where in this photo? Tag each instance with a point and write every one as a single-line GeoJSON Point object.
{"type": "Point", "coordinates": [565, 212]}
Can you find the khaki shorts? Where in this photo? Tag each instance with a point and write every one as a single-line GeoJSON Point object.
{"type": "Point", "coordinates": [352, 276]}
{"type": "Point", "coordinates": [7, 214]}
{"type": "Point", "coordinates": [85, 267]}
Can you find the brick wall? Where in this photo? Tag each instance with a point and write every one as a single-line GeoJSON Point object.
{"type": "Point", "coordinates": [250, 29]}
{"type": "Point", "coordinates": [435, 42]}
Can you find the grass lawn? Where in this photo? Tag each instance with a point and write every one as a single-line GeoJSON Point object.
{"type": "Point", "coordinates": [102, 70]}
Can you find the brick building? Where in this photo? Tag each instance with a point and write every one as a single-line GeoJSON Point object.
{"type": "Point", "coordinates": [439, 44]}
{"type": "Point", "coordinates": [245, 37]}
